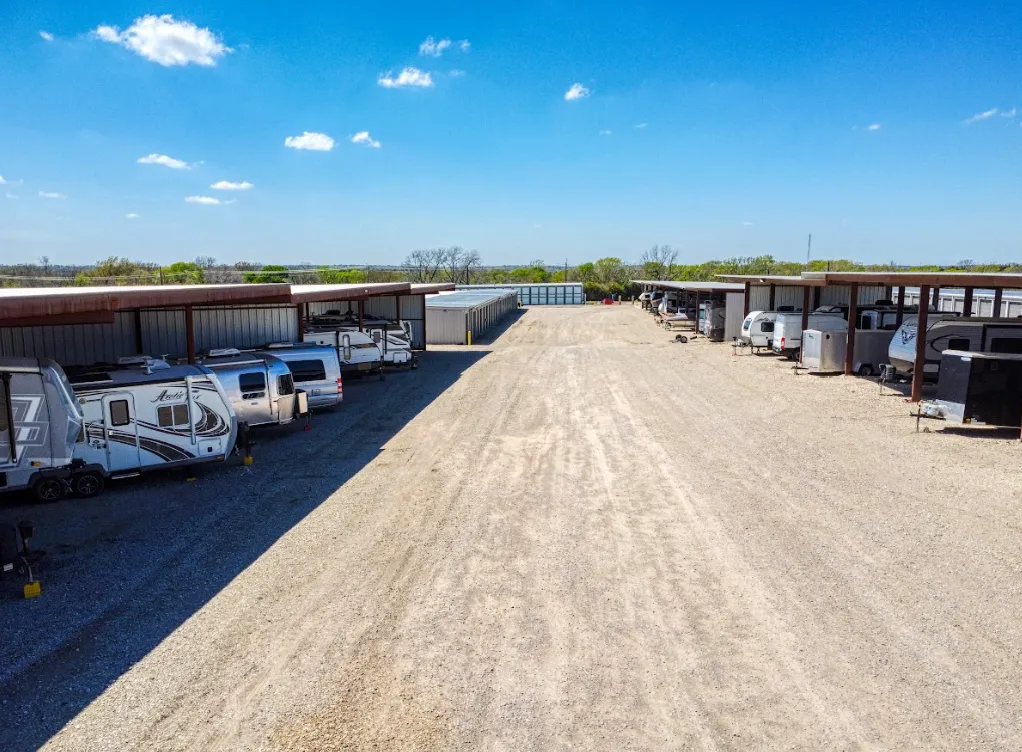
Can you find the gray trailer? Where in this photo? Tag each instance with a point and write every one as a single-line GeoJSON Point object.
{"type": "Point", "coordinates": [40, 422]}
{"type": "Point", "coordinates": [824, 351]}
{"type": "Point", "coordinates": [978, 388]}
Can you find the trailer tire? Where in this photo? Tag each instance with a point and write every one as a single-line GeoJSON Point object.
{"type": "Point", "coordinates": [866, 370]}
{"type": "Point", "coordinates": [88, 484]}
{"type": "Point", "coordinates": [49, 490]}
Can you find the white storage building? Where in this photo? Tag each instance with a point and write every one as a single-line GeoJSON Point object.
{"type": "Point", "coordinates": [463, 316]}
{"type": "Point", "coordinates": [548, 293]}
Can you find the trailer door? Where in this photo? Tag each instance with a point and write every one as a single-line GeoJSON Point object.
{"type": "Point", "coordinates": [120, 432]}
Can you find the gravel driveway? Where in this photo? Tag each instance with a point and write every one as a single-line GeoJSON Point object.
{"type": "Point", "coordinates": [580, 536]}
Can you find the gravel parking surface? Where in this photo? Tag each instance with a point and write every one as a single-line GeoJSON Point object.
{"type": "Point", "coordinates": [579, 536]}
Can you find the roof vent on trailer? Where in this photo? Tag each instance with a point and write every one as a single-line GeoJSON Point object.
{"type": "Point", "coordinates": [146, 362]}
{"type": "Point", "coordinates": [223, 352]}
{"type": "Point", "coordinates": [279, 346]}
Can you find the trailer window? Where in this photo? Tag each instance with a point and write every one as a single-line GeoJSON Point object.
{"type": "Point", "coordinates": [171, 416]}
{"type": "Point", "coordinates": [119, 415]}
{"type": "Point", "coordinates": [285, 384]}
{"type": "Point", "coordinates": [252, 385]}
{"type": "Point", "coordinates": [307, 370]}
{"type": "Point", "coordinates": [767, 327]}
{"type": "Point", "coordinates": [959, 343]}
{"type": "Point", "coordinates": [1005, 345]}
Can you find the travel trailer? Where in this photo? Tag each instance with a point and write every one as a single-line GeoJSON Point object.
{"type": "Point", "coordinates": [40, 422]}
{"type": "Point", "coordinates": [787, 339]}
{"type": "Point", "coordinates": [143, 414]}
{"type": "Point", "coordinates": [393, 338]}
{"type": "Point", "coordinates": [952, 332]}
{"type": "Point", "coordinates": [712, 317]}
{"type": "Point", "coordinates": [356, 351]}
{"type": "Point", "coordinates": [978, 388]}
{"type": "Point", "coordinates": [758, 327]}
{"type": "Point", "coordinates": [259, 386]}
{"type": "Point", "coordinates": [314, 368]}
{"type": "Point", "coordinates": [824, 351]}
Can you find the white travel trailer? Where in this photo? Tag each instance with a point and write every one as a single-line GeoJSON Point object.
{"type": "Point", "coordinates": [259, 386]}
{"type": "Point", "coordinates": [712, 316]}
{"type": "Point", "coordinates": [40, 422]}
{"type": "Point", "coordinates": [952, 332]}
{"type": "Point", "coordinates": [758, 327]}
{"type": "Point", "coordinates": [356, 351]}
{"type": "Point", "coordinates": [314, 368]}
{"type": "Point", "coordinates": [393, 338]}
{"type": "Point", "coordinates": [787, 339]}
{"type": "Point", "coordinates": [144, 414]}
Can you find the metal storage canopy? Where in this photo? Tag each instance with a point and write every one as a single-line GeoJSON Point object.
{"type": "Point", "coordinates": [927, 282]}
{"type": "Point", "coordinates": [83, 325]}
{"type": "Point", "coordinates": [458, 317]}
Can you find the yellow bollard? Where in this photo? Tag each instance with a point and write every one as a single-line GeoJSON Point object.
{"type": "Point", "coordinates": [32, 589]}
{"type": "Point", "coordinates": [248, 459]}
{"type": "Point", "coordinates": [470, 339]}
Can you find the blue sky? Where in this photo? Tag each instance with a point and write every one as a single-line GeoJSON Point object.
{"type": "Point", "coordinates": [755, 130]}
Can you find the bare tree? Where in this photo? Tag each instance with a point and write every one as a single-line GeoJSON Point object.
{"type": "Point", "coordinates": [424, 265]}
{"type": "Point", "coordinates": [470, 260]}
{"type": "Point", "coordinates": [658, 262]}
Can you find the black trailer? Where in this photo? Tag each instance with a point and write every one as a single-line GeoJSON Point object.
{"type": "Point", "coordinates": [978, 387]}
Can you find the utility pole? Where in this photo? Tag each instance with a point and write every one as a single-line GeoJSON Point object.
{"type": "Point", "coordinates": [565, 270]}
{"type": "Point", "coordinates": [809, 249]}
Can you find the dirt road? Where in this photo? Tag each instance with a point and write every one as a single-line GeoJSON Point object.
{"type": "Point", "coordinates": [597, 539]}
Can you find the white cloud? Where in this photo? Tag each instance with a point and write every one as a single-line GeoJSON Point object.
{"type": "Point", "coordinates": [51, 194]}
{"type": "Point", "coordinates": [746, 223]}
{"type": "Point", "coordinates": [166, 41]}
{"type": "Point", "coordinates": [227, 185]}
{"type": "Point", "coordinates": [131, 216]}
{"type": "Point", "coordinates": [873, 127]}
{"type": "Point", "coordinates": [434, 48]}
{"type": "Point", "coordinates": [10, 195]}
{"type": "Point", "coordinates": [2, 181]}
{"type": "Point", "coordinates": [1009, 113]}
{"type": "Point", "coordinates": [363, 137]}
{"type": "Point", "coordinates": [457, 73]}
{"type": "Point", "coordinates": [606, 132]}
{"type": "Point", "coordinates": [464, 45]}
{"type": "Point", "coordinates": [577, 91]}
{"type": "Point", "coordinates": [407, 77]}
{"type": "Point", "coordinates": [46, 35]}
{"type": "Point", "coordinates": [205, 200]}
{"type": "Point", "coordinates": [163, 159]}
{"type": "Point", "coordinates": [310, 141]}
{"type": "Point", "coordinates": [982, 116]}
{"type": "Point", "coordinates": [640, 126]}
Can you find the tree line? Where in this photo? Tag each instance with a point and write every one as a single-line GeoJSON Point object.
{"type": "Point", "coordinates": [604, 277]}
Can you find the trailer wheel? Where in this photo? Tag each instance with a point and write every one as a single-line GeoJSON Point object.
{"type": "Point", "coordinates": [866, 370]}
{"type": "Point", "coordinates": [49, 490]}
{"type": "Point", "coordinates": [88, 484]}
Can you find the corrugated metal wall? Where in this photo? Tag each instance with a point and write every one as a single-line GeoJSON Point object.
{"type": "Point", "coordinates": [759, 297]}
{"type": "Point", "coordinates": [163, 333]}
{"type": "Point", "coordinates": [72, 345]}
{"type": "Point", "coordinates": [410, 308]}
{"type": "Point", "coordinates": [244, 327]}
{"type": "Point", "coordinates": [449, 326]}
{"type": "Point", "coordinates": [982, 303]}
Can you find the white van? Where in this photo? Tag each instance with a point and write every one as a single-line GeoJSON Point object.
{"type": "Point", "coordinates": [787, 339]}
